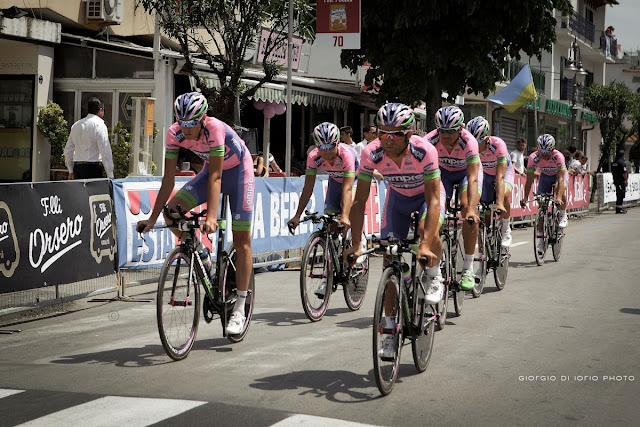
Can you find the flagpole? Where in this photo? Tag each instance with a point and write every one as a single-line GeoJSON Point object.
{"type": "Point", "coordinates": [535, 108]}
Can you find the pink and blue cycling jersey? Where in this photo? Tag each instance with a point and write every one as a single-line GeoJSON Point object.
{"type": "Point", "coordinates": [495, 154]}
{"type": "Point", "coordinates": [548, 167]}
{"type": "Point", "coordinates": [408, 180]}
{"type": "Point", "coordinates": [464, 152]}
{"type": "Point", "coordinates": [216, 139]}
{"type": "Point", "coordinates": [345, 163]}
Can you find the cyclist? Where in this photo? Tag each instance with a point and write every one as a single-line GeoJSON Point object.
{"type": "Point", "coordinates": [460, 164]}
{"type": "Point", "coordinates": [497, 182]}
{"type": "Point", "coordinates": [409, 165]}
{"type": "Point", "coordinates": [550, 163]}
{"type": "Point", "coordinates": [229, 170]}
{"type": "Point", "coordinates": [341, 163]}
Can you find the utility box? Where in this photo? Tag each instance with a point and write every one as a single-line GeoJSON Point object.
{"type": "Point", "coordinates": [142, 127]}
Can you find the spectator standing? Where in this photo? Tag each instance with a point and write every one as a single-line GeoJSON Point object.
{"type": "Point", "coordinates": [620, 176]}
{"type": "Point", "coordinates": [517, 157]}
{"type": "Point", "coordinates": [574, 167]}
{"type": "Point", "coordinates": [369, 133]}
{"type": "Point", "coordinates": [88, 152]}
{"type": "Point", "coordinates": [346, 137]}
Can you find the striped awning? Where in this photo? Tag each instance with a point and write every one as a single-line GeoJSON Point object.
{"type": "Point", "coordinates": [276, 93]}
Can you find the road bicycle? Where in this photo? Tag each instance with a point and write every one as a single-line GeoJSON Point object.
{"type": "Point", "coordinates": [401, 311]}
{"type": "Point", "coordinates": [178, 296]}
{"type": "Point", "coordinates": [322, 263]}
{"type": "Point", "coordinates": [491, 254]}
{"type": "Point", "coordinates": [548, 217]}
{"type": "Point", "coordinates": [451, 261]}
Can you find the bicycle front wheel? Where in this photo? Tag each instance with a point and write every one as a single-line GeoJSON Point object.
{"type": "Point", "coordinates": [480, 262]}
{"type": "Point", "coordinates": [387, 332]}
{"type": "Point", "coordinates": [355, 289]}
{"type": "Point", "coordinates": [502, 268]}
{"type": "Point", "coordinates": [177, 305]}
{"type": "Point", "coordinates": [558, 237]}
{"type": "Point", "coordinates": [456, 272]}
{"type": "Point", "coordinates": [540, 249]}
{"type": "Point", "coordinates": [425, 318]}
{"type": "Point", "coordinates": [229, 286]}
{"type": "Point", "coordinates": [314, 270]}
{"type": "Point", "coordinates": [443, 305]}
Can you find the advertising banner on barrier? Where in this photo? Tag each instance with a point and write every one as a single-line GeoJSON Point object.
{"type": "Point", "coordinates": [609, 189]}
{"type": "Point", "coordinates": [275, 202]}
{"type": "Point", "coordinates": [577, 195]}
{"type": "Point", "coordinates": [55, 232]}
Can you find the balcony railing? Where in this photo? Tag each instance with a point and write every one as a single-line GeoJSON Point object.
{"type": "Point", "coordinates": [566, 91]}
{"type": "Point", "coordinates": [582, 28]}
{"type": "Point", "coordinates": [513, 68]}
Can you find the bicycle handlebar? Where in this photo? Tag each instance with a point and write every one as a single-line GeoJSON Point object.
{"type": "Point", "coordinates": [187, 223]}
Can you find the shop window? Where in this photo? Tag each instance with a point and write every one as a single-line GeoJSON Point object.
{"type": "Point", "coordinates": [118, 66]}
{"type": "Point", "coordinates": [16, 124]}
{"type": "Point", "coordinates": [66, 101]}
{"type": "Point", "coordinates": [73, 62]}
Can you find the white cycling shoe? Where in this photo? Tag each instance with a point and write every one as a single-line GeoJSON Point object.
{"type": "Point", "coordinates": [236, 323]}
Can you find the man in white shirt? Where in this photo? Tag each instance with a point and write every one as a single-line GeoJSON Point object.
{"type": "Point", "coordinates": [369, 133]}
{"type": "Point", "coordinates": [517, 157]}
{"type": "Point", "coordinates": [88, 150]}
{"type": "Point", "coordinates": [346, 133]}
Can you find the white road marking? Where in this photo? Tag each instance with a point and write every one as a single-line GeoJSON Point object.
{"type": "Point", "coordinates": [114, 410]}
{"type": "Point", "coordinates": [518, 244]}
{"type": "Point", "coordinates": [4, 392]}
{"type": "Point", "coordinates": [312, 421]}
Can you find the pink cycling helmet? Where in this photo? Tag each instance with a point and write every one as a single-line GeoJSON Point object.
{"type": "Point", "coordinates": [479, 128]}
{"type": "Point", "coordinates": [190, 106]}
{"type": "Point", "coordinates": [450, 117]}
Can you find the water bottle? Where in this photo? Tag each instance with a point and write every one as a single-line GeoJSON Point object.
{"type": "Point", "coordinates": [406, 274]}
{"type": "Point", "coordinates": [206, 260]}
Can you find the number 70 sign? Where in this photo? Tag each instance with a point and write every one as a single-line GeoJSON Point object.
{"type": "Point", "coordinates": [338, 24]}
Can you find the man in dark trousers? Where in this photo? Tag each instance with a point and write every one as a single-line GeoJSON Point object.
{"type": "Point", "coordinates": [620, 176]}
{"type": "Point", "coordinates": [88, 151]}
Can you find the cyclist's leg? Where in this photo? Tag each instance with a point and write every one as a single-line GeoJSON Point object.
{"type": "Point", "coordinates": [506, 215]}
{"type": "Point", "coordinates": [545, 185]}
{"type": "Point", "coordinates": [239, 183]}
{"type": "Point", "coordinates": [189, 199]}
{"type": "Point", "coordinates": [434, 287]}
{"type": "Point", "coordinates": [332, 200]}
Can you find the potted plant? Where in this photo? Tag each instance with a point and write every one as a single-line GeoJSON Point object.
{"type": "Point", "coordinates": [54, 127]}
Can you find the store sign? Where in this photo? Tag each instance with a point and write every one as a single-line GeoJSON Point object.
{"type": "Point", "coordinates": [338, 24]}
{"type": "Point", "coordinates": [280, 54]}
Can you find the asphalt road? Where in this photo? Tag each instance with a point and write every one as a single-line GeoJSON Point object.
{"type": "Point", "coordinates": [559, 345]}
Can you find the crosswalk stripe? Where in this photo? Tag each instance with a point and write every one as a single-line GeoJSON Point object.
{"type": "Point", "coordinates": [5, 392]}
{"type": "Point", "coordinates": [115, 410]}
{"type": "Point", "coordinates": [313, 421]}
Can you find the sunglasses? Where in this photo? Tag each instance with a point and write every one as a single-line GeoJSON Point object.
{"type": "Point", "coordinates": [543, 151]}
{"type": "Point", "coordinates": [448, 130]}
{"type": "Point", "coordinates": [189, 123]}
{"type": "Point", "coordinates": [392, 134]}
{"type": "Point", "coordinates": [326, 146]}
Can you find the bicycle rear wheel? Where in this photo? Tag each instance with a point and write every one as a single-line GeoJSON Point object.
{"type": "Point", "coordinates": [387, 325]}
{"type": "Point", "coordinates": [480, 262]}
{"type": "Point", "coordinates": [316, 266]}
{"type": "Point", "coordinates": [443, 305]}
{"type": "Point", "coordinates": [539, 251]}
{"type": "Point", "coordinates": [422, 338]}
{"type": "Point", "coordinates": [228, 287]}
{"type": "Point", "coordinates": [177, 305]}
{"type": "Point", "coordinates": [355, 289]}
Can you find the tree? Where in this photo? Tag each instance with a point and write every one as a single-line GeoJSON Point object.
{"type": "Point", "coordinates": [612, 105]}
{"type": "Point", "coordinates": [221, 33]}
{"type": "Point", "coordinates": [52, 124]}
{"type": "Point", "coordinates": [418, 49]}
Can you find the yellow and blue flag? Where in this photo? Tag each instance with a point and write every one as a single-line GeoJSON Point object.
{"type": "Point", "coordinates": [517, 93]}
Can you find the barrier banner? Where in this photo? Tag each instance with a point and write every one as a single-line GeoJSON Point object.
{"type": "Point", "coordinates": [55, 232]}
{"type": "Point", "coordinates": [275, 202]}
{"type": "Point", "coordinates": [577, 192]}
{"type": "Point", "coordinates": [608, 189]}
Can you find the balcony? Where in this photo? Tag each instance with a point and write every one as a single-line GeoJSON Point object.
{"type": "Point", "coordinates": [513, 68]}
{"type": "Point", "coordinates": [584, 30]}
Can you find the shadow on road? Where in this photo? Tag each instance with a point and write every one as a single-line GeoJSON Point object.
{"type": "Point", "coordinates": [149, 355]}
{"type": "Point", "coordinates": [630, 310]}
{"type": "Point", "coordinates": [294, 318]}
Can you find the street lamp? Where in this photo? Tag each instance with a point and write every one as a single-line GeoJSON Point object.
{"type": "Point", "coordinates": [573, 71]}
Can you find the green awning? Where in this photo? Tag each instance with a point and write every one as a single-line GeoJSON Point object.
{"type": "Point", "coordinates": [557, 108]}
{"type": "Point", "coordinates": [588, 117]}
{"type": "Point", "coordinates": [298, 96]}
{"type": "Point", "coordinates": [529, 105]}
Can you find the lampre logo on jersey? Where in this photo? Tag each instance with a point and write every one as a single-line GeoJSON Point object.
{"type": "Point", "coordinates": [418, 153]}
{"type": "Point", "coordinates": [376, 155]}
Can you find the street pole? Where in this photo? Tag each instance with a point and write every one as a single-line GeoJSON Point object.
{"type": "Point", "coordinates": [574, 113]}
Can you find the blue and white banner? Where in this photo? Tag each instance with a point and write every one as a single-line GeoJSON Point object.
{"type": "Point", "coordinates": [609, 189]}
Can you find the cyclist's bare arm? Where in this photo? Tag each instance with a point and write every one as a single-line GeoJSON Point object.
{"type": "Point", "coordinates": [213, 194]}
{"type": "Point", "coordinates": [356, 217]}
{"type": "Point", "coordinates": [501, 170]}
{"type": "Point", "coordinates": [431, 229]}
{"type": "Point", "coordinates": [305, 196]}
{"type": "Point", "coordinates": [473, 197]}
{"type": "Point", "coordinates": [166, 188]}
{"type": "Point", "coordinates": [347, 201]}
{"type": "Point", "coordinates": [527, 186]}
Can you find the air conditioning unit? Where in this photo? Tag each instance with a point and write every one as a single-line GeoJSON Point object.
{"type": "Point", "coordinates": [105, 10]}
